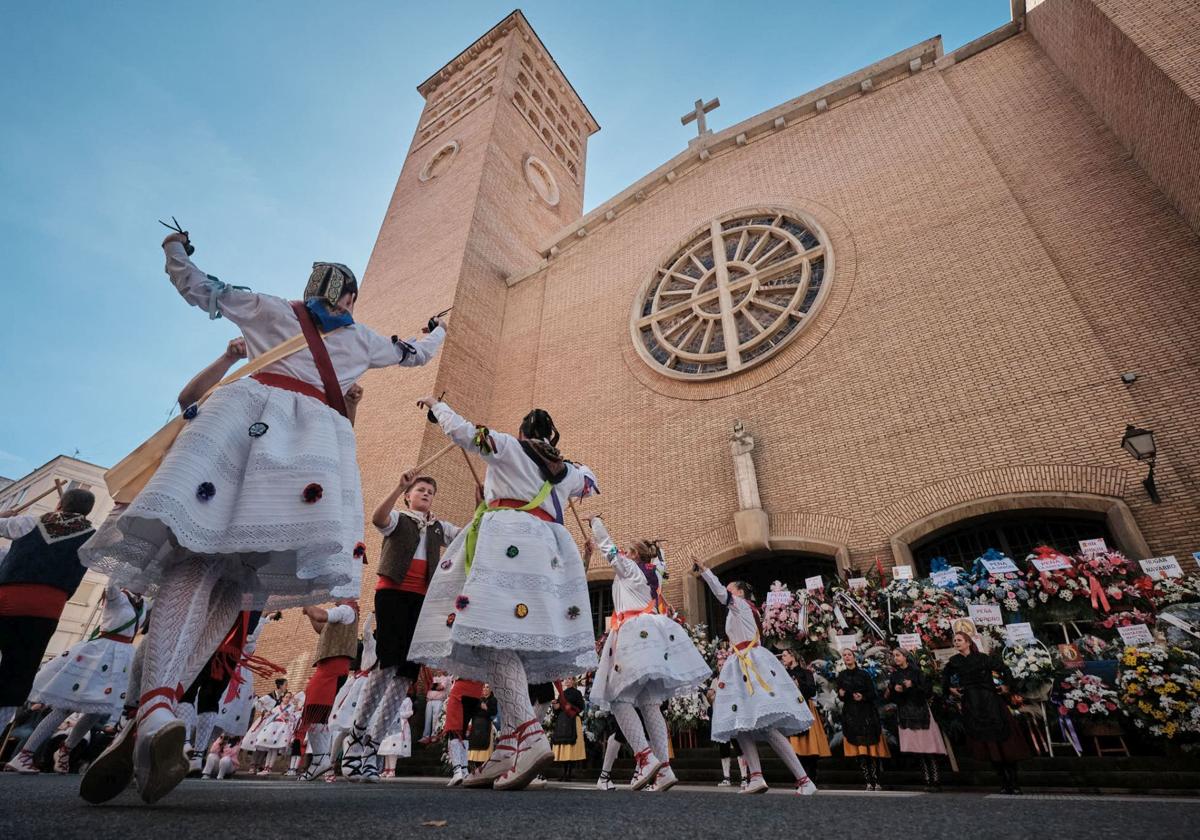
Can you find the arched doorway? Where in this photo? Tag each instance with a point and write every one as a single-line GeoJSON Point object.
{"type": "Point", "coordinates": [1014, 532]}
{"type": "Point", "coordinates": [760, 570]}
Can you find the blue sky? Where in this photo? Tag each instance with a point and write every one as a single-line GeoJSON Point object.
{"type": "Point", "coordinates": [275, 132]}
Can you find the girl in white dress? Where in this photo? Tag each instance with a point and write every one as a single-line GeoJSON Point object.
{"type": "Point", "coordinates": [508, 604]}
{"type": "Point", "coordinates": [89, 678]}
{"type": "Point", "coordinates": [276, 735]}
{"type": "Point", "coordinates": [647, 659]}
{"type": "Point", "coordinates": [398, 743]}
{"type": "Point", "coordinates": [755, 698]}
{"type": "Point", "coordinates": [256, 505]}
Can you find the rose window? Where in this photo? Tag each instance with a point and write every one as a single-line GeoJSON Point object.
{"type": "Point", "coordinates": [738, 292]}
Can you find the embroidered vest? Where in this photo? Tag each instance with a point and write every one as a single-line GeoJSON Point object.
{"type": "Point", "coordinates": [337, 640]}
{"type": "Point", "coordinates": [400, 545]}
{"type": "Point", "coordinates": [40, 558]}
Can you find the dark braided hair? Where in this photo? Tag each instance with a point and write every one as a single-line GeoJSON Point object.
{"type": "Point", "coordinates": [539, 425]}
{"type": "Point", "coordinates": [747, 589]}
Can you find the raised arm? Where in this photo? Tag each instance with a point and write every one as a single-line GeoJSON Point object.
{"type": "Point", "coordinates": [214, 373]}
{"type": "Point", "coordinates": [382, 517]}
{"type": "Point", "coordinates": [463, 431]}
{"type": "Point", "coordinates": [622, 565]}
{"type": "Point", "coordinates": [14, 527]}
{"type": "Point", "coordinates": [723, 595]}
{"type": "Point", "coordinates": [412, 352]}
{"type": "Point", "coordinates": [207, 293]}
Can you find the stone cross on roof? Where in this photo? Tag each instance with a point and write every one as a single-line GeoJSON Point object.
{"type": "Point", "coordinates": [697, 115]}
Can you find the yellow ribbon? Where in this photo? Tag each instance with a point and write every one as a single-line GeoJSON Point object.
{"type": "Point", "coordinates": [748, 668]}
{"type": "Point", "coordinates": [473, 528]}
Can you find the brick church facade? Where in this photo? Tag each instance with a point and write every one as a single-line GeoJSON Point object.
{"type": "Point", "coordinates": [919, 291]}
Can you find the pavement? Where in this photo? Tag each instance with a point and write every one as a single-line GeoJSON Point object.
{"type": "Point", "coordinates": [47, 807]}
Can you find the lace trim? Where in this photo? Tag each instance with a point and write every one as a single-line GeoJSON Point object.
{"type": "Point", "coordinates": [483, 577]}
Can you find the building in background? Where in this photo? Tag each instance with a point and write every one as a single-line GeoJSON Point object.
{"type": "Point", "coordinates": [905, 315]}
{"type": "Point", "coordinates": [83, 610]}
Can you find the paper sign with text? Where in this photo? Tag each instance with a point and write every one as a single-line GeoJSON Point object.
{"type": "Point", "coordinates": [776, 598]}
{"type": "Point", "coordinates": [857, 583]}
{"type": "Point", "coordinates": [1096, 546]}
{"type": "Point", "coordinates": [908, 641]}
{"type": "Point", "coordinates": [843, 642]}
{"type": "Point", "coordinates": [902, 573]}
{"type": "Point", "coordinates": [1019, 633]}
{"type": "Point", "coordinates": [1160, 567]}
{"type": "Point", "coordinates": [986, 614]}
{"type": "Point", "coordinates": [813, 583]}
{"type": "Point", "coordinates": [999, 567]}
{"type": "Point", "coordinates": [1136, 635]}
{"type": "Point", "coordinates": [1051, 564]}
{"type": "Point", "coordinates": [946, 577]}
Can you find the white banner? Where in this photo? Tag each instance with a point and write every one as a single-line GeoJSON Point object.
{"type": "Point", "coordinates": [1161, 567]}
{"type": "Point", "coordinates": [908, 641]}
{"type": "Point", "coordinates": [1136, 635]}
{"type": "Point", "coordinates": [843, 642]}
{"type": "Point", "coordinates": [778, 598]}
{"type": "Point", "coordinates": [999, 567]}
{"type": "Point", "coordinates": [814, 583]}
{"type": "Point", "coordinates": [902, 573]}
{"type": "Point", "coordinates": [1051, 564]}
{"type": "Point", "coordinates": [1020, 633]}
{"type": "Point", "coordinates": [986, 615]}
{"type": "Point", "coordinates": [946, 577]}
{"type": "Point", "coordinates": [1096, 546]}
{"type": "Point", "coordinates": [857, 583]}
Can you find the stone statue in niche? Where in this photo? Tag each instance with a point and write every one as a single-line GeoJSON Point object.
{"type": "Point", "coordinates": [742, 444]}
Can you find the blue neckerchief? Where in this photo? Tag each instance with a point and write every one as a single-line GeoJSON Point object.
{"type": "Point", "coordinates": [326, 320]}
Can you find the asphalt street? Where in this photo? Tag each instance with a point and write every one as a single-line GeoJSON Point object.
{"type": "Point", "coordinates": [48, 808]}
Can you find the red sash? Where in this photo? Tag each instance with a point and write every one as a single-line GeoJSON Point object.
{"type": "Point", "coordinates": [334, 397]}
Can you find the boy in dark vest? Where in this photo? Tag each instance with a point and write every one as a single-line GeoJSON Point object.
{"type": "Point", "coordinates": [40, 572]}
{"type": "Point", "coordinates": [336, 649]}
{"type": "Point", "coordinates": [413, 541]}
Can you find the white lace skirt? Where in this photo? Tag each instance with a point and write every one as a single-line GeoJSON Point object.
{"type": "Point", "coordinates": [91, 677]}
{"type": "Point", "coordinates": [345, 705]}
{"type": "Point", "coordinates": [275, 735]}
{"type": "Point", "coordinates": [739, 710]}
{"type": "Point", "coordinates": [648, 660]}
{"type": "Point", "coordinates": [398, 742]}
{"type": "Point", "coordinates": [233, 487]}
{"type": "Point", "coordinates": [233, 716]}
{"type": "Point", "coordinates": [526, 593]}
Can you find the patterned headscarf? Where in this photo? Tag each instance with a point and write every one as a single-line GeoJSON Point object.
{"type": "Point", "coordinates": [330, 281]}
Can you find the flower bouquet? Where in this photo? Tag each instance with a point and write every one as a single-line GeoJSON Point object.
{"type": "Point", "coordinates": [1159, 691]}
{"type": "Point", "coordinates": [698, 633]}
{"type": "Point", "coordinates": [1085, 697]}
{"type": "Point", "coordinates": [932, 617]}
{"type": "Point", "coordinates": [1167, 591]}
{"type": "Point", "coordinates": [1126, 618]}
{"type": "Point", "coordinates": [1008, 589]}
{"type": "Point", "coordinates": [781, 619]}
{"type": "Point", "coordinates": [686, 713]}
{"type": "Point", "coordinates": [818, 627]}
{"type": "Point", "coordinates": [1109, 579]}
{"type": "Point", "coordinates": [1032, 668]}
{"type": "Point", "coordinates": [1059, 595]}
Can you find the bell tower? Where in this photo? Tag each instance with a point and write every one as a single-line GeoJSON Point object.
{"type": "Point", "coordinates": [496, 166]}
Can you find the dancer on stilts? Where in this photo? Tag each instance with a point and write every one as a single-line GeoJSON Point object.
{"type": "Point", "coordinates": [647, 659]}
{"type": "Point", "coordinates": [38, 574]}
{"type": "Point", "coordinates": [257, 504]}
{"type": "Point", "coordinates": [755, 699]}
{"type": "Point", "coordinates": [413, 541]}
{"type": "Point", "coordinates": [337, 646]}
{"type": "Point", "coordinates": [89, 678]}
{"type": "Point", "coordinates": [509, 603]}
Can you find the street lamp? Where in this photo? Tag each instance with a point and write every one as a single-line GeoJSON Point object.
{"type": "Point", "coordinates": [1140, 444]}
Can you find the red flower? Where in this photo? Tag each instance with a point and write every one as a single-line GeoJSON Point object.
{"type": "Point", "coordinates": [1110, 705]}
{"type": "Point", "coordinates": [461, 602]}
{"type": "Point", "coordinates": [1082, 708]}
{"type": "Point", "coordinates": [1062, 710]}
{"type": "Point", "coordinates": [312, 493]}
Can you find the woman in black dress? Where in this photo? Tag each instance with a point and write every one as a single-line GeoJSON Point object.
{"type": "Point", "coordinates": [909, 689]}
{"type": "Point", "coordinates": [567, 734]}
{"type": "Point", "coordinates": [982, 687]}
{"type": "Point", "coordinates": [862, 733]}
{"type": "Point", "coordinates": [813, 744]}
{"type": "Point", "coordinates": [481, 728]}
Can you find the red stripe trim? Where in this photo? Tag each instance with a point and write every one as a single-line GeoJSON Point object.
{"type": "Point", "coordinates": [289, 383]}
{"type": "Point", "coordinates": [514, 504]}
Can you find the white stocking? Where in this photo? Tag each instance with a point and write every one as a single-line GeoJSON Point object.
{"type": "Point", "coordinates": [205, 724]}
{"type": "Point", "coordinates": [611, 750]}
{"type": "Point", "coordinates": [506, 676]}
{"type": "Point", "coordinates": [389, 708]}
{"type": "Point", "coordinates": [82, 727]}
{"type": "Point", "coordinates": [631, 725]}
{"type": "Point", "coordinates": [656, 730]}
{"type": "Point", "coordinates": [46, 729]}
{"type": "Point", "coordinates": [134, 689]}
{"type": "Point", "coordinates": [192, 614]}
{"type": "Point", "coordinates": [377, 683]}
{"type": "Point", "coordinates": [7, 713]}
{"type": "Point", "coordinates": [458, 753]}
{"type": "Point", "coordinates": [186, 712]}
{"type": "Point", "coordinates": [318, 740]}
{"type": "Point", "coordinates": [783, 749]}
{"type": "Point", "coordinates": [750, 753]}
